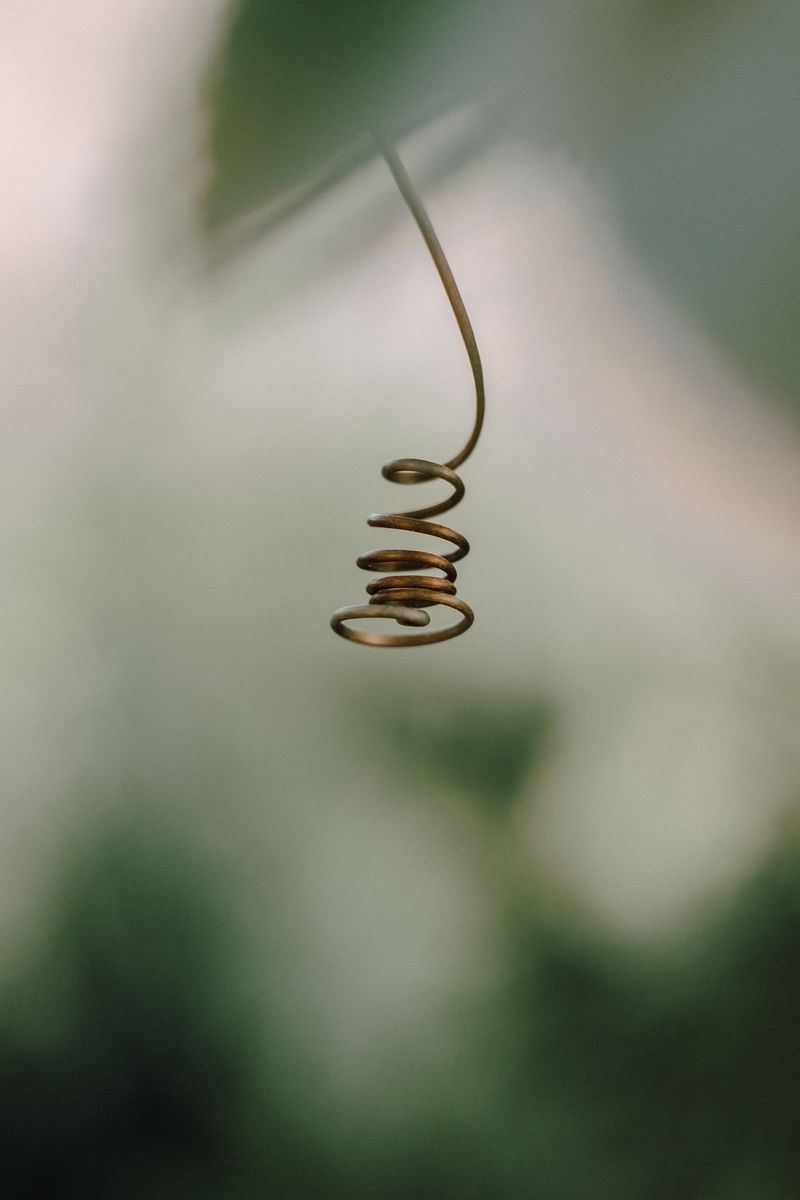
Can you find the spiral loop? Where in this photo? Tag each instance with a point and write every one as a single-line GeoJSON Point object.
{"type": "Point", "coordinates": [404, 597]}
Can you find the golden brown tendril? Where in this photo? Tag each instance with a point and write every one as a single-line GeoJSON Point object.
{"type": "Point", "coordinates": [405, 597]}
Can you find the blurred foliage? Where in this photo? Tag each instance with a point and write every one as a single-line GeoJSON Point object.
{"type": "Point", "coordinates": [687, 113]}
{"type": "Point", "coordinates": [131, 1062]}
{"type": "Point", "coordinates": [484, 749]}
{"type": "Point", "coordinates": [671, 1074]}
{"type": "Point", "coordinates": [300, 81]}
{"type": "Point", "coordinates": [134, 1063]}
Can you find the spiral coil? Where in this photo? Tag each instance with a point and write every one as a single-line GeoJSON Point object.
{"type": "Point", "coordinates": [405, 598]}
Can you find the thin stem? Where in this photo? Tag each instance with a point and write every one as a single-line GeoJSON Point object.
{"type": "Point", "coordinates": [449, 284]}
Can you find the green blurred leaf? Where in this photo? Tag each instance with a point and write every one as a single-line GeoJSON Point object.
{"type": "Point", "coordinates": [302, 81]}
{"type": "Point", "coordinates": [687, 113]}
{"type": "Point", "coordinates": [487, 750]}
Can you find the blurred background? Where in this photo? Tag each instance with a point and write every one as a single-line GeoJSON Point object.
{"type": "Point", "coordinates": [513, 916]}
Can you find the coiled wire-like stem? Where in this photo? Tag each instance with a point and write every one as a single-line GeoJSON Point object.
{"type": "Point", "coordinates": [405, 597]}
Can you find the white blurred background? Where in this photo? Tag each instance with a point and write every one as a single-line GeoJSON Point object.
{"type": "Point", "coordinates": [194, 427]}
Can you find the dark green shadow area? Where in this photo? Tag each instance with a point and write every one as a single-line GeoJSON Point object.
{"type": "Point", "coordinates": [664, 1072]}
{"type": "Point", "coordinates": [132, 1057]}
{"type": "Point", "coordinates": [485, 749]}
{"type": "Point", "coordinates": [299, 81]}
{"type": "Point", "coordinates": [135, 1061]}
